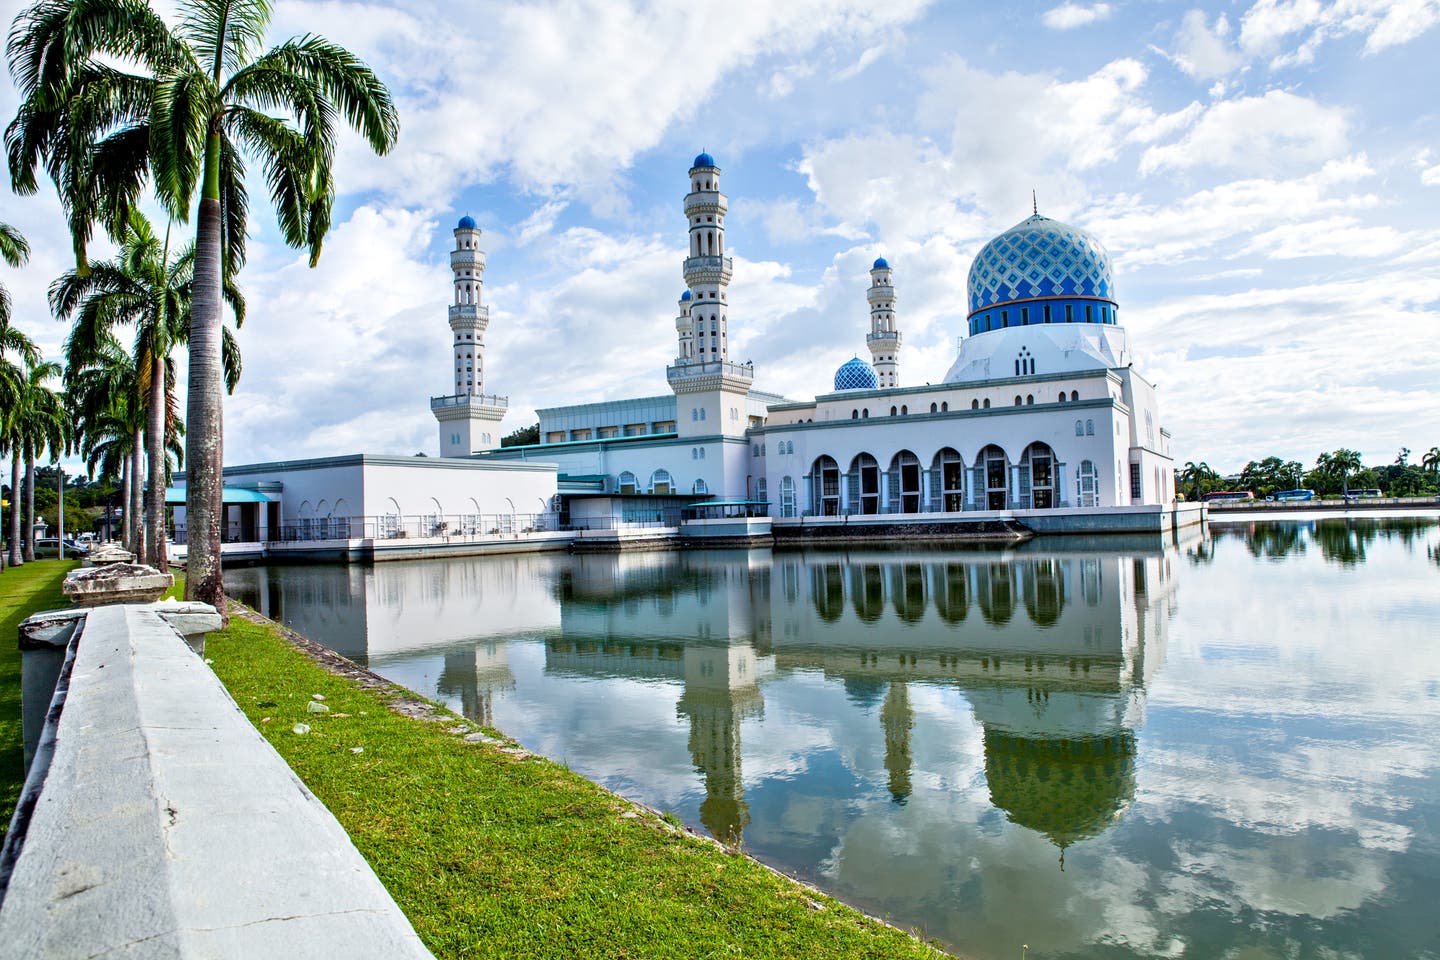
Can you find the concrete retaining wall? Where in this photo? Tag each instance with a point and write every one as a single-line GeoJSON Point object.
{"type": "Point", "coordinates": [165, 826]}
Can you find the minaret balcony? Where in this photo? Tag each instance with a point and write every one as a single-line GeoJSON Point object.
{"type": "Point", "coordinates": [708, 270]}
{"type": "Point", "coordinates": [697, 375]}
{"type": "Point", "coordinates": [892, 335]}
{"type": "Point", "coordinates": [476, 312]}
{"type": "Point", "coordinates": [706, 201]}
{"type": "Point", "coordinates": [474, 259]}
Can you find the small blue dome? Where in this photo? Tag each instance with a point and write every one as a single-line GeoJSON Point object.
{"type": "Point", "coordinates": [703, 160]}
{"type": "Point", "coordinates": [856, 374]}
{"type": "Point", "coordinates": [467, 222]}
{"type": "Point", "coordinates": [685, 296]}
{"type": "Point", "coordinates": [880, 264]}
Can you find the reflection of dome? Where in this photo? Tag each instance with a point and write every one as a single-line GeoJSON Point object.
{"type": "Point", "coordinates": [685, 296]}
{"type": "Point", "coordinates": [865, 691]}
{"type": "Point", "coordinates": [880, 264]}
{"type": "Point", "coordinates": [1067, 789]}
{"type": "Point", "coordinates": [703, 160]}
{"type": "Point", "coordinates": [1040, 257]}
{"type": "Point", "coordinates": [467, 222]}
{"type": "Point", "coordinates": [856, 374]}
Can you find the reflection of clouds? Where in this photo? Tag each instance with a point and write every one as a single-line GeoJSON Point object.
{"type": "Point", "coordinates": [1289, 876]}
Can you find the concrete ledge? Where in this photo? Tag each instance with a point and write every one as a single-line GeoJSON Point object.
{"type": "Point", "coordinates": [167, 827]}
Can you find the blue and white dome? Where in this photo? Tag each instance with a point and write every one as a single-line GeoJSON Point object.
{"type": "Point", "coordinates": [467, 222]}
{"type": "Point", "coordinates": [703, 160]}
{"type": "Point", "coordinates": [880, 264]}
{"type": "Point", "coordinates": [856, 374]}
{"type": "Point", "coordinates": [685, 296]}
{"type": "Point", "coordinates": [1040, 259]}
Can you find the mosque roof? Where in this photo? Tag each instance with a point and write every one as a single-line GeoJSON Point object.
{"type": "Point", "coordinates": [880, 264]}
{"type": "Point", "coordinates": [1065, 789]}
{"type": "Point", "coordinates": [467, 222]}
{"type": "Point", "coordinates": [856, 374]}
{"type": "Point", "coordinates": [703, 160]}
{"type": "Point", "coordinates": [1040, 257]}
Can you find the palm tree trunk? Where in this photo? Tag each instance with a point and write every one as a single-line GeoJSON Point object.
{"type": "Point", "coordinates": [29, 535]}
{"type": "Point", "coordinates": [125, 501]}
{"type": "Point", "coordinates": [204, 434]}
{"type": "Point", "coordinates": [15, 510]}
{"type": "Point", "coordinates": [137, 488]}
{"type": "Point", "coordinates": [155, 493]}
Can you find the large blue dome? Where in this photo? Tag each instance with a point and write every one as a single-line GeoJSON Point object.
{"type": "Point", "coordinates": [703, 160]}
{"type": "Point", "coordinates": [467, 222]}
{"type": "Point", "coordinates": [856, 374]}
{"type": "Point", "coordinates": [1040, 258]}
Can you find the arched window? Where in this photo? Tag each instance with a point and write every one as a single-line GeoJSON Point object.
{"type": "Point", "coordinates": [1074, 395]}
{"type": "Point", "coordinates": [1063, 398]}
{"type": "Point", "coordinates": [1079, 428]}
{"type": "Point", "coordinates": [947, 481]}
{"type": "Point", "coordinates": [700, 489]}
{"type": "Point", "coordinates": [1029, 399]}
{"type": "Point", "coordinates": [626, 483]}
{"type": "Point", "coordinates": [702, 453]}
{"type": "Point", "coordinates": [934, 407]}
{"type": "Point", "coordinates": [661, 484]}
{"type": "Point", "coordinates": [761, 492]}
{"type": "Point", "coordinates": [1018, 401]}
{"type": "Point", "coordinates": [1088, 485]}
{"type": "Point", "coordinates": [986, 403]}
{"type": "Point", "coordinates": [1089, 428]}
{"type": "Point", "coordinates": [755, 449]}
{"type": "Point", "coordinates": [854, 414]}
{"type": "Point", "coordinates": [974, 404]}
{"type": "Point", "coordinates": [904, 410]}
{"type": "Point", "coordinates": [944, 406]}
{"type": "Point", "coordinates": [862, 484]}
{"type": "Point", "coordinates": [787, 496]}
{"type": "Point", "coordinates": [993, 471]}
{"type": "Point", "coordinates": [825, 487]}
{"type": "Point", "coordinates": [694, 453]}
{"type": "Point", "coordinates": [1038, 487]}
{"type": "Point", "coordinates": [893, 411]}
{"type": "Point", "coordinates": [904, 483]}
{"type": "Point", "coordinates": [864, 413]}
{"type": "Point", "coordinates": [694, 414]}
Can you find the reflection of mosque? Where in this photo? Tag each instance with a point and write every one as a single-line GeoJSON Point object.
{"type": "Point", "coordinates": [1052, 651]}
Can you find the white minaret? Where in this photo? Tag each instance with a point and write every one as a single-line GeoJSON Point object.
{"type": "Point", "coordinates": [469, 420]}
{"type": "Point", "coordinates": [883, 339]}
{"type": "Point", "coordinates": [711, 391]}
{"type": "Point", "coordinates": [685, 329]}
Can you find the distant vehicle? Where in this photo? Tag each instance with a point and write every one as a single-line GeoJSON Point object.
{"type": "Point", "coordinates": [1286, 496]}
{"type": "Point", "coordinates": [1229, 496]}
{"type": "Point", "coordinates": [49, 547]}
{"type": "Point", "coordinates": [1370, 493]}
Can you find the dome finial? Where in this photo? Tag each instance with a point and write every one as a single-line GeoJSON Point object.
{"type": "Point", "coordinates": [1034, 204]}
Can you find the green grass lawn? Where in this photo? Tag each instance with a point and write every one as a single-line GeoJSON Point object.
{"type": "Point", "coordinates": [23, 591]}
{"type": "Point", "coordinates": [494, 854]}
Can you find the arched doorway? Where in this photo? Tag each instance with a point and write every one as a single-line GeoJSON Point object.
{"type": "Point", "coordinates": [867, 591]}
{"type": "Point", "coordinates": [947, 481]}
{"type": "Point", "coordinates": [1037, 477]}
{"type": "Point", "coordinates": [1044, 591]}
{"type": "Point", "coordinates": [951, 587]}
{"type": "Point", "coordinates": [994, 472]}
{"type": "Point", "coordinates": [1088, 484]}
{"type": "Point", "coordinates": [863, 485]}
{"type": "Point", "coordinates": [904, 477]}
{"type": "Point", "coordinates": [825, 487]}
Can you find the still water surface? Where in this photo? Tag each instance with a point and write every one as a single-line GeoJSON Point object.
{"type": "Point", "coordinates": [1101, 748]}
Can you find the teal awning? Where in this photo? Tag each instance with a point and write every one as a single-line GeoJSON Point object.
{"type": "Point", "coordinates": [175, 496]}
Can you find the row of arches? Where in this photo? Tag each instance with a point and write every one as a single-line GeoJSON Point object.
{"type": "Point", "coordinates": [946, 483]}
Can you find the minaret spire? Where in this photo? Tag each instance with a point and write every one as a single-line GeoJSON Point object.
{"type": "Point", "coordinates": [1034, 204]}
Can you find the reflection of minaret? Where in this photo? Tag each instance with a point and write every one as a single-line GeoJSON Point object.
{"type": "Point", "coordinates": [720, 692]}
{"type": "Point", "coordinates": [898, 719]}
{"type": "Point", "coordinates": [475, 677]}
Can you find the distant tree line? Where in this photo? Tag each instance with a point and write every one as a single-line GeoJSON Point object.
{"type": "Point", "coordinates": [1334, 474]}
{"type": "Point", "coordinates": [522, 437]}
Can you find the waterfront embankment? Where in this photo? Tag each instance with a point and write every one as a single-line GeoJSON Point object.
{"type": "Point", "coordinates": [488, 849]}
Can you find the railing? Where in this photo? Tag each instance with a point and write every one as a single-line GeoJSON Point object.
{"type": "Point", "coordinates": [709, 264]}
{"type": "Point", "coordinates": [464, 526]}
{"type": "Point", "coordinates": [470, 311]}
{"type": "Point", "coordinates": [636, 519]}
{"type": "Point", "coordinates": [709, 368]}
{"type": "Point", "coordinates": [463, 399]}
{"type": "Point", "coordinates": [882, 335]}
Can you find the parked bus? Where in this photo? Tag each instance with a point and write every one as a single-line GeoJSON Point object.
{"type": "Point", "coordinates": [1229, 496]}
{"type": "Point", "coordinates": [1284, 496]}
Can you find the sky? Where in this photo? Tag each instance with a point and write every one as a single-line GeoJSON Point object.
{"type": "Point", "coordinates": [1265, 175]}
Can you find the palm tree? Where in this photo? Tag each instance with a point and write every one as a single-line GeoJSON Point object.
{"type": "Point", "coordinates": [100, 375]}
{"type": "Point", "coordinates": [1430, 462]}
{"type": "Point", "coordinates": [14, 251]}
{"type": "Point", "coordinates": [206, 102]}
{"type": "Point", "coordinates": [1345, 462]}
{"type": "Point", "coordinates": [146, 287]}
{"type": "Point", "coordinates": [39, 419]}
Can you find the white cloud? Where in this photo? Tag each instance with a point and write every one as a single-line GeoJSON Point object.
{"type": "Point", "coordinates": [1256, 133]}
{"type": "Point", "coordinates": [1068, 15]}
{"type": "Point", "coordinates": [1268, 27]}
{"type": "Point", "coordinates": [1331, 237]}
{"type": "Point", "coordinates": [1203, 51]}
{"type": "Point", "coordinates": [1430, 176]}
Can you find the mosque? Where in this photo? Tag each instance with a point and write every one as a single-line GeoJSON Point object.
{"type": "Point", "coordinates": [1041, 425]}
{"type": "Point", "coordinates": [1041, 410]}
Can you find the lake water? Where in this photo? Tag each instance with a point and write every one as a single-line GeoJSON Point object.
{"type": "Point", "coordinates": [1103, 748]}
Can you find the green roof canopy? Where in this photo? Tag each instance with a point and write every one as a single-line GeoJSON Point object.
{"type": "Point", "coordinates": [176, 495]}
